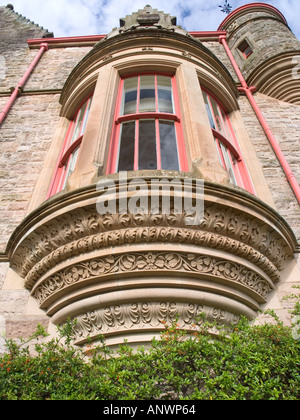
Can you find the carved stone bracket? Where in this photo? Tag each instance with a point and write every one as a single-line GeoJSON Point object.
{"type": "Point", "coordinates": [66, 252]}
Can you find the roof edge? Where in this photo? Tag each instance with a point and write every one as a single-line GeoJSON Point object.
{"type": "Point", "coordinates": [11, 9]}
{"type": "Point", "coordinates": [248, 7]}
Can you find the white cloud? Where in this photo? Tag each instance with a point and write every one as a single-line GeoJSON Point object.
{"type": "Point", "coordinates": [90, 17]}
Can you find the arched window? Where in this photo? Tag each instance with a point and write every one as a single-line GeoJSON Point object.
{"type": "Point", "coordinates": [226, 143]}
{"type": "Point", "coordinates": [147, 128]}
{"type": "Point", "coordinates": [70, 149]}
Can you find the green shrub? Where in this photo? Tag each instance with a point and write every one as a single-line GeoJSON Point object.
{"type": "Point", "coordinates": [248, 362]}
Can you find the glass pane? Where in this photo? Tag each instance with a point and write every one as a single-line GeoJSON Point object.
{"type": "Point", "coordinates": [78, 123]}
{"type": "Point", "coordinates": [209, 111]}
{"type": "Point", "coordinates": [247, 51]}
{"type": "Point", "coordinates": [126, 151]}
{"type": "Point", "coordinates": [86, 116]}
{"type": "Point", "coordinates": [226, 127]}
{"type": "Point", "coordinates": [165, 100]}
{"type": "Point", "coordinates": [147, 94]}
{"type": "Point", "coordinates": [147, 145]}
{"type": "Point", "coordinates": [245, 48]}
{"type": "Point", "coordinates": [218, 150]}
{"type": "Point", "coordinates": [225, 153]}
{"type": "Point", "coordinates": [70, 165]}
{"type": "Point", "coordinates": [168, 146]}
{"type": "Point", "coordinates": [129, 96]}
{"type": "Point", "coordinates": [218, 117]}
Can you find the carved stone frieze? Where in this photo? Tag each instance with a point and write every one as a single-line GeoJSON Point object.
{"type": "Point", "coordinates": [153, 262]}
{"type": "Point", "coordinates": [221, 228]}
{"type": "Point", "coordinates": [150, 235]}
{"type": "Point", "coordinates": [141, 316]}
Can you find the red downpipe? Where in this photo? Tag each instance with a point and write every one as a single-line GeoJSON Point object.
{"type": "Point", "coordinates": [14, 95]}
{"type": "Point", "coordinates": [248, 91]}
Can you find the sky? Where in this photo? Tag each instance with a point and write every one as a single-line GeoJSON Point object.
{"type": "Point", "coordinates": [99, 17]}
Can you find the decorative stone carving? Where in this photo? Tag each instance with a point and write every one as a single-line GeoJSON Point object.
{"type": "Point", "coordinates": [142, 316]}
{"type": "Point", "coordinates": [221, 228]}
{"type": "Point", "coordinates": [149, 18]}
{"type": "Point", "coordinates": [149, 235]}
{"type": "Point", "coordinates": [67, 252]}
{"type": "Point", "coordinates": [284, 84]}
{"type": "Point", "coordinates": [153, 262]}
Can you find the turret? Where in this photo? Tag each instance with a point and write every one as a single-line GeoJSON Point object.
{"type": "Point", "coordinates": [265, 49]}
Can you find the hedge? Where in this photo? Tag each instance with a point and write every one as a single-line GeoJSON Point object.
{"type": "Point", "coordinates": [245, 362]}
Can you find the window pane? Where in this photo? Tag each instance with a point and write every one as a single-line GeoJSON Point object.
{"type": "Point", "coordinates": [78, 123]}
{"type": "Point", "coordinates": [226, 128]}
{"type": "Point", "coordinates": [219, 152]}
{"type": "Point", "coordinates": [168, 146]}
{"type": "Point", "coordinates": [129, 96]}
{"type": "Point", "coordinates": [126, 151]}
{"type": "Point", "coordinates": [147, 145]}
{"type": "Point", "coordinates": [209, 111]}
{"type": "Point", "coordinates": [70, 165]}
{"type": "Point", "coordinates": [245, 48]}
{"type": "Point", "coordinates": [86, 117]}
{"type": "Point", "coordinates": [247, 51]}
{"type": "Point", "coordinates": [165, 100]}
{"type": "Point", "coordinates": [228, 163]}
{"type": "Point", "coordinates": [147, 94]}
{"type": "Point", "coordinates": [218, 117]}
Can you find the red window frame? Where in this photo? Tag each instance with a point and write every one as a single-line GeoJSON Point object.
{"type": "Point", "coordinates": [70, 149]}
{"type": "Point", "coordinates": [227, 146]}
{"type": "Point", "coordinates": [113, 160]}
{"type": "Point", "coordinates": [245, 49]}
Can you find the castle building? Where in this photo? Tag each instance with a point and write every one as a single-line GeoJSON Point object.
{"type": "Point", "coordinates": [148, 175]}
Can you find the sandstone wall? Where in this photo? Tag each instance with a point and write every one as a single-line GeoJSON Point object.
{"type": "Point", "coordinates": [24, 142]}
{"type": "Point", "coordinates": [25, 138]}
{"type": "Point", "coordinates": [284, 121]}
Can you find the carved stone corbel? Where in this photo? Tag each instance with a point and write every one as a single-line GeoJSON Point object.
{"type": "Point", "coordinates": [67, 252]}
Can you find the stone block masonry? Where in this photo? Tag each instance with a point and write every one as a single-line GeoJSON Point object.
{"type": "Point", "coordinates": [24, 142]}
{"type": "Point", "coordinates": [17, 318]}
{"type": "Point", "coordinates": [283, 119]}
{"type": "Point", "coordinates": [55, 67]}
{"type": "Point", "coordinates": [15, 29]}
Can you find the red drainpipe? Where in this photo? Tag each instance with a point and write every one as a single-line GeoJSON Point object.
{"type": "Point", "coordinates": [9, 104]}
{"type": "Point", "coordinates": [248, 91]}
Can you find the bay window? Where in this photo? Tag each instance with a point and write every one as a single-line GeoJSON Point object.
{"type": "Point", "coordinates": [147, 129]}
